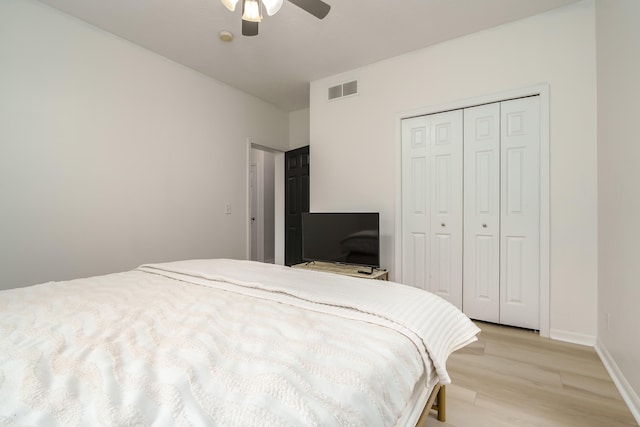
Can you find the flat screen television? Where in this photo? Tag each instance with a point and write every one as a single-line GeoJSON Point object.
{"type": "Point", "coordinates": [342, 237]}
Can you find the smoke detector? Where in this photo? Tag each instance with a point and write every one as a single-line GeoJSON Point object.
{"type": "Point", "coordinates": [225, 36]}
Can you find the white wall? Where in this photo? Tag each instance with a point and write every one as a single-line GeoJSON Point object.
{"type": "Point", "coordinates": [111, 156]}
{"type": "Point", "coordinates": [265, 161]}
{"type": "Point", "coordinates": [353, 140]}
{"type": "Point", "coordinates": [269, 206]}
{"type": "Point", "coordinates": [618, 44]}
{"type": "Point", "coordinates": [278, 200]}
{"type": "Point", "coordinates": [299, 128]}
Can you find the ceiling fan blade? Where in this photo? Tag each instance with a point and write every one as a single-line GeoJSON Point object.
{"type": "Point", "coordinates": [317, 8]}
{"type": "Point", "coordinates": [249, 28]}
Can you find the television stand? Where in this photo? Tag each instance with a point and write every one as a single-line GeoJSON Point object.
{"type": "Point", "coordinates": [345, 269]}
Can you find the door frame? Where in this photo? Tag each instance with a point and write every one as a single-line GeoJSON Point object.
{"type": "Point", "coordinates": [541, 90]}
{"type": "Point", "coordinates": [258, 239]}
{"type": "Point", "coordinates": [278, 199]}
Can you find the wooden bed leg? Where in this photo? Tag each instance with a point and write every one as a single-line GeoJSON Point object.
{"type": "Point", "coordinates": [442, 404]}
{"type": "Point", "coordinates": [436, 402]}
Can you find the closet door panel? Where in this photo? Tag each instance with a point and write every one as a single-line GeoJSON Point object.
{"type": "Point", "coordinates": [520, 213]}
{"type": "Point", "coordinates": [445, 226]}
{"type": "Point", "coordinates": [481, 294]}
{"type": "Point", "coordinates": [417, 267]}
{"type": "Point", "coordinates": [416, 201]}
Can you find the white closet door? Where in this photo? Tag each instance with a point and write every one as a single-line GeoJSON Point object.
{"type": "Point", "coordinates": [415, 201]}
{"type": "Point", "coordinates": [520, 216]}
{"type": "Point", "coordinates": [481, 293]}
{"type": "Point", "coordinates": [446, 207]}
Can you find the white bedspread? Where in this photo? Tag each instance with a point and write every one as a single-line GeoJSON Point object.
{"type": "Point", "coordinates": [219, 343]}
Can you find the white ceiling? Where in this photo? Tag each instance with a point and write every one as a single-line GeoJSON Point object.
{"type": "Point", "coordinates": [293, 47]}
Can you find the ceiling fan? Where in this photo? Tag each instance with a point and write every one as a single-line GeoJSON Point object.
{"type": "Point", "coordinates": [252, 11]}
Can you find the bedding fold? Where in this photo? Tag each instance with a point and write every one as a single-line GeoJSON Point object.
{"type": "Point", "coordinates": [435, 326]}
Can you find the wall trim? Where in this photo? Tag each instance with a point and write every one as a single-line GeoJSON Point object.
{"type": "Point", "coordinates": [572, 337]}
{"type": "Point", "coordinates": [629, 395]}
{"type": "Point", "coordinates": [541, 90]}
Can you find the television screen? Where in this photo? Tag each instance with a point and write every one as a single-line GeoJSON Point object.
{"type": "Point", "coordinates": [348, 237]}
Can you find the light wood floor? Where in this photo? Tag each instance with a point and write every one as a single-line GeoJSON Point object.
{"type": "Point", "coordinates": [513, 377]}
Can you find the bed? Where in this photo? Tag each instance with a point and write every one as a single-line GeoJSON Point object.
{"type": "Point", "coordinates": [224, 343]}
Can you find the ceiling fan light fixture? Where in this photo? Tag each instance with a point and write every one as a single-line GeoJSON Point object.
{"type": "Point", "coordinates": [230, 4]}
{"type": "Point", "coordinates": [272, 6]}
{"type": "Point", "coordinates": [251, 11]}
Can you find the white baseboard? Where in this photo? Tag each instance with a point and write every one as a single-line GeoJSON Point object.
{"type": "Point", "coordinates": [572, 337]}
{"type": "Point", "coordinates": [628, 394]}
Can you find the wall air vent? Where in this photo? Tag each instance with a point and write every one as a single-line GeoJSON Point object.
{"type": "Point", "coordinates": [342, 90]}
{"type": "Point", "coordinates": [335, 92]}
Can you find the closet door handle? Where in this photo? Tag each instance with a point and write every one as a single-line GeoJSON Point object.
{"type": "Point", "coordinates": [443, 225]}
{"type": "Point", "coordinates": [484, 225]}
